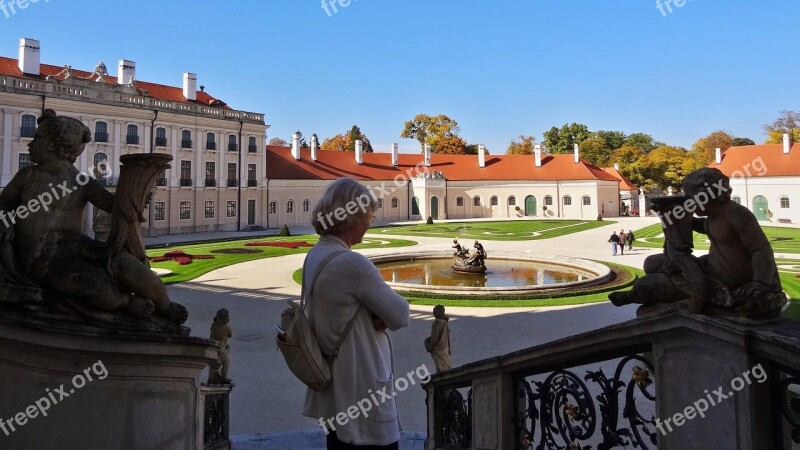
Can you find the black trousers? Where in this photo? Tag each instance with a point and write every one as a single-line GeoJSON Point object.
{"type": "Point", "coordinates": [336, 444]}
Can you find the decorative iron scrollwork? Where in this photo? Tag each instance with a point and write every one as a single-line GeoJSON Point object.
{"type": "Point", "coordinates": [215, 415]}
{"type": "Point", "coordinates": [790, 405]}
{"type": "Point", "coordinates": [456, 419]}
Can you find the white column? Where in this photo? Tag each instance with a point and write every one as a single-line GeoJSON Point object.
{"type": "Point", "coordinates": [117, 148]}
{"type": "Point", "coordinates": [8, 151]}
{"type": "Point", "coordinates": [175, 171]}
{"type": "Point", "coordinates": [642, 204]}
{"type": "Point", "coordinates": [199, 169]}
{"type": "Point", "coordinates": [146, 144]}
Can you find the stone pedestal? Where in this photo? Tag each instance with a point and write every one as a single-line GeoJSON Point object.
{"type": "Point", "coordinates": [65, 390]}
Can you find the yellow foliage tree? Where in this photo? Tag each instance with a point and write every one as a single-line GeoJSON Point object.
{"type": "Point", "coordinates": [521, 145]}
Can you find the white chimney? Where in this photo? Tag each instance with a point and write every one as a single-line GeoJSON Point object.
{"type": "Point", "coordinates": [537, 155]}
{"type": "Point", "coordinates": [718, 156]}
{"type": "Point", "coordinates": [314, 145]}
{"type": "Point", "coordinates": [616, 167]}
{"type": "Point", "coordinates": [29, 56]}
{"type": "Point", "coordinates": [481, 156]}
{"type": "Point", "coordinates": [296, 145]}
{"type": "Point", "coordinates": [577, 153]}
{"type": "Point", "coordinates": [394, 155]}
{"type": "Point", "coordinates": [359, 151]}
{"type": "Point", "coordinates": [427, 155]}
{"type": "Point", "coordinates": [126, 71]}
{"type": "Point", "coordinates": [787, 143]}
{"type": "Point", "coordinates": [190, 86]}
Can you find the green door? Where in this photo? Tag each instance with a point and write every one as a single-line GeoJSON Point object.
{"type": "Point", "coordinates": [414, 207]}
{"type": "Point", "coordinates": [435, 208]}
{"type": "Point", "coordinates": [760, 208]}
{"type": "Point", "coordinates": [530, 205]}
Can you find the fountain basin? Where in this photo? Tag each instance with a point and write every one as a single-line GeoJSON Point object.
{"type": "Point", "coordinates": [508, 274]}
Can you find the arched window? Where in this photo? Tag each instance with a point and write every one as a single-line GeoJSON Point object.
{"type": "Point", "coordinates": [132, 135]}
{"type": "Point", "coordinates": [459, 201]}
{"type": "Point", "coordinates": [28, 128]}
{"type": "Point", "coordinates": [567, 200]}
{"type": "Point", "coordinates": [232, 143]}
{"type": "Point", "coordinates": [100, 165]}
{"type": "Point", "coordinates": [414, 206]}
{"type": "Point", "coordinates": [587, 200]}
{"type": "Point", "coordinates": [476, 201]}
{"type": "Point", "coordinates": [784, 202]}
{"type": "Point", "coordinates": [512, 200]}
{"type": "Point", "coordinates": [394, 202]}
{"type": "Point", "coordinates": [100, 131]}
{"type": "Point", "coordinates": [161, 137]}
{"type": "Point", "coordinates": [273, 207]}
{"type": "Point", "coordinates": [306, 203]}
{"type": "Point", "coordinates": [548, 200]}
{"type": "Point", "coordinates": [290, 206]}
{"type": "Point", "coordinates": [737, 200]}
{"type": "Point", "coordinates": [380, 203]}
{"type": "Point", "coordinates": [186, 139]}
{"type": "Point", "coordinates": [493, 200]}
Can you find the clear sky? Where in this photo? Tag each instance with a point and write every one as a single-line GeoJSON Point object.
{"type": "Point", "coordinates": [499, 67]}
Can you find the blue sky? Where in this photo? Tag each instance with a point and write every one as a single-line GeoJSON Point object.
{"type": "Point", "coordinates": [500, 68]}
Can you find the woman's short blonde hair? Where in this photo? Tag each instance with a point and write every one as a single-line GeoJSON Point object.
{"type": "Point", "coordinates": [343, 204]}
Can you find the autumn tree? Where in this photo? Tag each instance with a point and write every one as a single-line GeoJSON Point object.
{"type": "Point", "coordinates": [440, 132]}
{"type": "Point", "coordinates": [787, 122]}
{"type": "Point", "coordinates": [338, 143]}
{"type": "Point", "coordinates": [278, 142]}
{"type": "Point", "coordinates": [612, 139]}
{"type": "Point", "coordinates": [642, 141]}
{"type": "Point", "coordinates": [737, 142]}
{"type": "Point", "coordinates": [704, 150]}
{"type": "Point", "coordinates": [346, 142]}
{"type": "Point", "coordinates": [521, 145]}
{"type": "Point", "coordinates": [595, 151]}
{"type": "Point", "coordinates": [560, 140]}
{"type": "Point", "coordinates": [663, 166]}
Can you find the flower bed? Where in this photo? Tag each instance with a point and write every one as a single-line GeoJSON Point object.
{"type": "Point", "coordinates": [179, 256]}
{"type": "Point", "coordinates": [287, 244]}
{"type": "Point", "coordinates": [237, 251]}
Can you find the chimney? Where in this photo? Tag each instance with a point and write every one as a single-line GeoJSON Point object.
{"type": "Point", "coordinates": [537, 155]}
{"type": "Point", "coordinates": [718, 156]}
{"type": "Point", "coordinates": [577, 153]}
{"type": "Point", "coordinates": [616, 167]}
{"type": "Point", "coordinates": [314, 145]}
{"type": "Point", "coordinates": [481, 156]}
{"type": "Point", "coordinates": [427, 155]}
{"type": "Point", "coordinates": [787, 143]}
{"type": "Point", "coordinates": [296, 145]}
{"type": "Point", "coordinates": [29, 56]}
{"type": "Point", "coordinates": [126, 71]}
{"type": "Point", "coordinates": [359, 152]}
{"type": "Point", "coordinates": [394, 155]}
{"type": "Point", "coordinates": [190, 86]}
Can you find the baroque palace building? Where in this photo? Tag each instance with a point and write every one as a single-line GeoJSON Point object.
{"type": "Point", "coordinates": [217, 176]}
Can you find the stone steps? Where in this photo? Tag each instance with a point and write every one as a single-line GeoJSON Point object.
{"type": "Point", "coordinates": [308, 440]}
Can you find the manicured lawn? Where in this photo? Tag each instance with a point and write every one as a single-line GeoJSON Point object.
{"type": "Point", "coordinates": [783, 240]}
{"type": "Point", "coordinates": [199, 267]}
{"type": "Point", "coordinates": [516, 230]}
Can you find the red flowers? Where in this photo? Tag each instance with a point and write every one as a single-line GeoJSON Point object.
{"type": "Point", "coordinates": [179, 256]}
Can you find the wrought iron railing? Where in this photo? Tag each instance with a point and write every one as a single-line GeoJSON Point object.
{"type": "Point", "coordinates": [216, 419]}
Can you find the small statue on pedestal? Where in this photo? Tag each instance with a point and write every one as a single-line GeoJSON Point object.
{"type": "Point", "coordinates": [438, 343]}
{"type": "Point", "coordinates": [738, 278]}
{"type": "Point", "coordinates": [221, 332]}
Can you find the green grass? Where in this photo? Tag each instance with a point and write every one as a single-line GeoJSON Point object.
{"type": "Point", "coordinates": [516, 230]}
{"type": "Point", "coordinates": [789, 270]}
{"type": "Point", "coordinates": [199, 267]}
{"type": "Point", "coordinates": [783, 240]}
{"type": "Point", "coordinates": [486, 301]}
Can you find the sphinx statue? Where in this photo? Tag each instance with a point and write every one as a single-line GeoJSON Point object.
{"type": "Point", "coordinates": [50, 271]}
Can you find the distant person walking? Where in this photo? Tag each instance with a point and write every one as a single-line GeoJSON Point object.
{"type": "Point", "coordinates": [622, 240]}
{"type": "Point", "coordinates": [614, 240]}
{"type": "Point", "coordinates": [630, 239]}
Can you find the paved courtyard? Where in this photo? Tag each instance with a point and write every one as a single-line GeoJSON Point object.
{"type": "Point", "coordinates": [267, 398]}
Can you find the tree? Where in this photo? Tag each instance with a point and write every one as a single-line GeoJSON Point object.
{"type": "Point", "coordinates": [613, 139]}
{"type": "Point", "coordinates": [560, 140]}
{"type": "Point", "coordinates": [347, 142]}
{"type": "Point", "coordinates": [787, 122]}
{"type": "Point", "coordinates": [278, 142]}
{"type": "Point", "coordinates": [355, 134]}
{"type": "Point", "coordinates": [664, 166]}
{"type": "Point", "coordinates": [643, 141]}
{"type": "Point", "coordinates": [521, 145]}
{"type": "Point", "coordinates": [338, 143]}
{"type": "Point", "coordinates": [449, 145]}
{"type": "Point", "coordinates": [472, 149]}
{"type": "Point", "coordinates": [704, 150]}
{"type": "Point", "coordinates": [737, 142]}
{"type": "Point", "coordinates": [595, 151]}
{"type": "Point", "coordinates": [431, 130]}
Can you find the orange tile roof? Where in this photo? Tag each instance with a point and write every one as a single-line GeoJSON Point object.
{"type": "Point", "coordinates": [378, 166]}
{"type": "Point", "coordinates": [10, 67]}
{"type": "Point", "coordinates": [773, 163]}
{"type": "Point", "coordinates": [624, 183]}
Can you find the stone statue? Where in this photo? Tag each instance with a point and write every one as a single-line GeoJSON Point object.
{"type": "Point", "coordinates": [463, 262]}
{"type": "Point", "coordinates": [438, 344]}
{"type": "Point", "coordinates": [737, 279]}
{"type": "Point", "coordinates": [221, 332]}
{"type": "Point", "coordinates": [49, 270]}
{"type": "Point", "coordinates": [460, 252]}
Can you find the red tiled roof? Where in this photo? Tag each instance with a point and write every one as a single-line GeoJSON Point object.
{"type": "Point", "coordinates": [10, 67]}
{"type": "Point", "coordinates": [744, 161]}
{"type": "Point", "coordinates": [624, 183]}
{"type": "Point", "coordinates": [378, 166]}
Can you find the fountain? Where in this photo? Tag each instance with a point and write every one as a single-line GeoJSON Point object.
{"type": "Point", "coordinates": [465, 263]}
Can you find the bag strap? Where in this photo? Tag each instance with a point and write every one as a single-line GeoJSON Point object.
{"type": "Point", "coordinates": [303, 302]}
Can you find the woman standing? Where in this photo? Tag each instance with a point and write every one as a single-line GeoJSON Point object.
{"type": "Point", "coordinates": [349, 287]}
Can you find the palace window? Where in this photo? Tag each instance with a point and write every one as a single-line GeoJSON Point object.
{"type": "Point", "coordinates": [784, 202]}
{"type": "Point", "coordinates": [459, 201]}
{"type": "Point", "coordinates": [306, 204]}
{"type": "Point", "coordinates": [290, 206]}
{"type": "Point", "coordinates": [476, 201]}
{"type": "Point", "coordinates": [548, 200]}
{"type": "Point", "coordinates": [394, 202]}
{"type": "Point", "coordinates": [567, 200]}
{"type": "Point", "coordinates": [28, 128]}
{"type": "Point", "coordinates": [100, 131]}
{"type": "Point", "coordinates": [512, 200]}
{"type": "Point", "coordinates": [186, 210]}
{"type": "Point", "coordinates": [273, 207]}
{"type": "Point", "coordinates": [209, 210]}
{"type": "Point", "coordinates": [159, 211]}
{"type": "Point", "coordinates": [587, 200]}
